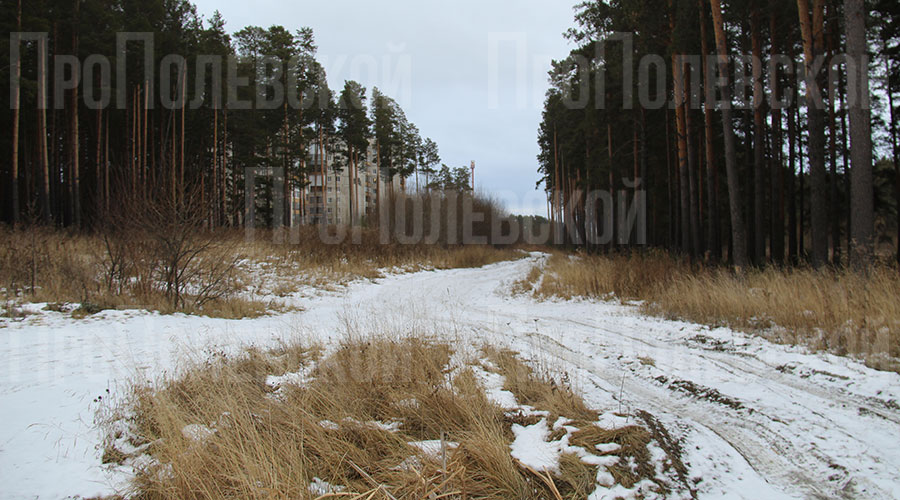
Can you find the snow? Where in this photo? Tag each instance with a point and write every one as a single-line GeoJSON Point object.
{"type": "Point", "coordinates": [328, 425]}
{"type": "Point", "coordinates": [297, 379]}
{"type": "Point", "coordinates": [802, 425]}
{"type": "Point", "coordinates": [319, 488]}
{"type": "Point", "coordinates": [375, 425]}
{"type": "Point", "coordinates": [608, 448]}
{"type": "Point", "coordinates": [432, 448]}
{"type": "Point", "coordinates": [197, 433]}
{"type": "Point", "coordinates": [492, 383]}
{"type": "Point", "coordinates": [532, 448]}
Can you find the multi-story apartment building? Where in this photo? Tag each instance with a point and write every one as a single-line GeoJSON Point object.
{"type": "Point", "coordinates": [331, 202]}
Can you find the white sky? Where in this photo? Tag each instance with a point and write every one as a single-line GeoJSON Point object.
{"type": "Point", "coordinates": [435, 59]}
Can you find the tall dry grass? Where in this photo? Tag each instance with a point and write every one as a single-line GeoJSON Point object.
{"type": "Point", "coordinates": [249, 439]}
{"type": "Point", "coordinates": [843, 312]}
{"type": "Point", "coordinates": [122, 270]}
{"type": "Point", "coordinates": [838, 311]}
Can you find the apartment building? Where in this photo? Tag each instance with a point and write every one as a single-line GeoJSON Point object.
{"type": "Point", "coordinates": [329, 200]}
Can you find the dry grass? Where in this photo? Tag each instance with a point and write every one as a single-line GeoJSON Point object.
{"type": "Point", "coordinates": [634, 277]}
{"type": "Point", "coordinates": [41, 265]}
{"type": "Point", "coordinates": [541, 390]}
{"type": "Point", "coordinates": [837, 311]}
{"type": "Point", "coordinates": [265, 442]}
{"type": "Point", "coordinates": [842, 311]}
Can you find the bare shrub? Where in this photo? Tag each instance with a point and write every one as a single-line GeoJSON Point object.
{"type": "Point", "coordinates": [169, 246]}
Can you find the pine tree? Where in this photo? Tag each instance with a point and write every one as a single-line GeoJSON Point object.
{"type": "Point", "coordinates": [738, 233]}
{"type": "Point", "coordinates": [812, 27]}
{"type": "Point", "coordinates": [863, 217]}
{"type": "Point", "coordinates": [354, 132]}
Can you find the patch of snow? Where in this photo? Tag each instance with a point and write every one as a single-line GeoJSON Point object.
{"type": "Point", "coordinates": [608, 448]}
{"type": "Point", "coordinates": [374, 424]}
{"type": "Point", "coordinates": [197, 433]}
{"type": "Point", "coordinates": [329, 425]}
{"type": "Point", "coordinates": [611, 421]}
{"type": "Point", "coordinates": [531, 447]}
{"type": "Point", "coordinates": [318, 488]}
{"type": "Point", "coordinates": [492, 383]}
{"type": "Point", "coordinates": [645, 489]}
{"type": "Point", "coordinates": [432, 448]}
{"type": "Point", "coordinates": [299, 378]}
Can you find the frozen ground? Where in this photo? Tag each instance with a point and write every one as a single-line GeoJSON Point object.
{"type": "Point", "coordinates": [756, 420]}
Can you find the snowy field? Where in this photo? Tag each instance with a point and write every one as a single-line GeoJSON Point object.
{"type": "Point", "coordinates": [756, 420]}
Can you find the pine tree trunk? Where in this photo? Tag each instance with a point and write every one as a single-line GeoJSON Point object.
{"type": "Point", "coordinates": [98, 184]}
{"type": "Point", "coordinates": [738, 233]}
{"type": "Point", "coordinates": [106, 168]}
{"type": "Point", "coordinates": [155, 151]}
{"type": "Point", "coordinates": [173, 171]}
{"type": "Point", "coordinates": [777, 164]}
{"type": "Point", "coordinates": [812, 30]}
{"type": "Point", "coordinates": [286, 184]}
{"type": "Point", "coordinates": [682, 163]}
{"type": "Point", "coordinates": [132, 145]}
{"type": "Point", "coordinates": [637, 167]}
{"type": "Point", "coordinates": [321, 146]}
{"type": "Point", "coordinates": [713, 246]}
{"type": "Point", "coordinates": [895, 148]}
{"type": "Point", "coordinates": [670, 186]}
{"type": "Point", "coordinates": [15, 133]}
{"type": "Point", "coordinates": [759, 143]}
{"type": "Point", "coordinates": [144, 112]}
{"type": "Point", "coordinates": [863, 218]}
{"type": "Point", "coordinates": [564, 196]}
{"type": "Point", "coordinates": [42, 131]}
{"type": "Point", "coordinates": [215, 176]}
{"type": "Point", "coordinates": [75, 186]}
{"type": "Point", "coordinates": [835, 205]}
{"type": "Point", "coordinates": [845, 155]}
{"type": "Point", "coordinates": [556, 181]}
{"type": "Point", "coordinates": [224, 198]}
{"type": "Point", "coordinates": [352, 186]}
{"type": "Point", "coordinates": [645, 184]}
{"type": "Point", "coordinates": [793, 250]}
{"type": "Point", "coordinates": [378, 181]}
{"type": "Point", "coordinates": [691, 149]}
{"type": "Point", "coordinates": [612, 186]}
{"type": "Point", "coordinates": [76, 139]}
{"type": "Point", "coordinates": [181, 189]}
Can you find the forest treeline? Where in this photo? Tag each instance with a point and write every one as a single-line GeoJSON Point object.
{"type": "Point", "coordinates": [69, 164]}
{"type": "Point", "coordinates": [816, 180]}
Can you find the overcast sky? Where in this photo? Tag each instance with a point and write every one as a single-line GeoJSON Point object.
{"type": "Point", "coordinates": [435, 59]}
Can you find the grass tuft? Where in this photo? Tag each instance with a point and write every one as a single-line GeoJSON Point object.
{"type": "Point", "coordinates": [225, 428]}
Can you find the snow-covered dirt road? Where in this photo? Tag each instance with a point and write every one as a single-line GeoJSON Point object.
{"type": "Point", "coordinates": [755, 420]}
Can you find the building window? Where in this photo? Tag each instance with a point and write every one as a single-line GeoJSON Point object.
{"type": "Point", "coordinates": [330, 200]}
{"type": "Point", "coordinates": [329, 210]}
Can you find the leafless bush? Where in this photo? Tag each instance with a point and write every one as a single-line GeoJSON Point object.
{"type": "Point", "coordinates": [167, 243]}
